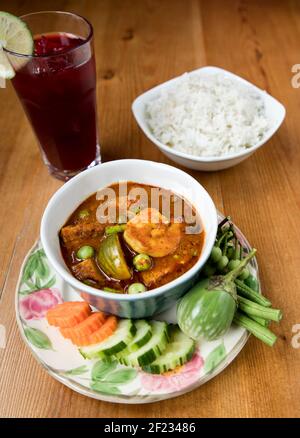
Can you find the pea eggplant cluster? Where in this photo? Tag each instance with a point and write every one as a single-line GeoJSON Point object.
{"type": "Point", "coordinates": [227, 254]}
{"type": "Point", "coordinates": [227, 293]}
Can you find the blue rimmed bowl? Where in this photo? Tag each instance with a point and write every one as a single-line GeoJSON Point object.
{"type": "Point", "coordinates": [74, 192]}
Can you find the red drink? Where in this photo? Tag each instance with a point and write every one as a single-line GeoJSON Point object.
{"type": "Point", "coordinates": [55, 43]}
{"type": "Point", "coordinates": [57, 87]}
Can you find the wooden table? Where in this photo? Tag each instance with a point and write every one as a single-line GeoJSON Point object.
{"type": "Point", "coordinates": [139, 44]}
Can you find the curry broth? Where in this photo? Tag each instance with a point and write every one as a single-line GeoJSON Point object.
{"type": "Point", "coordinates": [82, 229]}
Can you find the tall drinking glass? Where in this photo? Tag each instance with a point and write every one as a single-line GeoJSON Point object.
{"type": "Point", "coordinates": [57, 88]}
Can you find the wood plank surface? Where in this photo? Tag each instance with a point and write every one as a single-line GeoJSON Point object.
{"type": "Point", "coordinates": [139, 44]}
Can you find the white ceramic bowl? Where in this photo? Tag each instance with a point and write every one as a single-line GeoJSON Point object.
{"type": "Point", "coordinates": [73, 193]}
{"type": "Point", "coordinates": [275, 112]}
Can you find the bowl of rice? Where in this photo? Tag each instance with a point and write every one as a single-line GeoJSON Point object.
{"type": "Point", "coordinates": [208, 119]}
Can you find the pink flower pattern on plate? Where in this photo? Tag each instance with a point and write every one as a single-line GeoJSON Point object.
{"type": "Point", "coordinates": [187, 375]}
{"type": "Point", "coordinates": [36, 305]}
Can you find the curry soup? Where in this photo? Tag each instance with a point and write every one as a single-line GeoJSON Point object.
{"type": "Point", "coordinates": [147, 249]}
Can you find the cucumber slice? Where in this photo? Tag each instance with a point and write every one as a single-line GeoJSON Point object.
{"type": "Point", "coordinates": [142, 336]}
{"type": "Point", "coordinates": [151, 350]}
{"type": "Point", "coordinates": [117, 342]}
{"type": "Point", "coordinates": [179, 351]}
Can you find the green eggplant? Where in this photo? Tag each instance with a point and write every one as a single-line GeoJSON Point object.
{"type": "Point", "coordinates": [208, 309]}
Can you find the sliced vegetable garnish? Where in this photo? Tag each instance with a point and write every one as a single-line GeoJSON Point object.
{"type": "Point", "coordinates": [80, 334]}
{"type": "Point", "coordinates": [151, 350]}
{"type": "Point", "coordinates": [103, 332]}
{"type": "Point", "coordinates": [114, 343]}
{"type": "Point", "coordinates": [68, 314]}
{"type": "Point", "coordinates": [142, 336]}
{"type": "Point", "coordinates": [179, 351]}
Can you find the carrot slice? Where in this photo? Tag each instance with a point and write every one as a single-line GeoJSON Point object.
{"type": "Point", "coordinates": [106, 330]}
{"type": "Point", "coordinates": [68, 314]}
{"type": "Point", "coordinates": [81, 331]}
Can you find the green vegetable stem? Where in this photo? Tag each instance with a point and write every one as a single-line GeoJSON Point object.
{"type": "Point", "coordinates": [261, 321]}
{"type": "Point", "coordinates": [251, 294]}
{"type": "Point", "coordinates": [255, 309]}
{"type": "Point", "coordinates": [115, 229]}
{"type": "Point", "coordinates": [252, 282]}
{"type": "Point", "coordinates": [260, 332]}
{"type": "Point", "coordinates": [232, 275]}
{"type": "Point", "coordinates": [223, 222]}
{"type": "Point", "coordinates": [110, 289]}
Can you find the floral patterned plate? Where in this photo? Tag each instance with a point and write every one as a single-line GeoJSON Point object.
{"type": "Point", "coordinates": [41, 288]}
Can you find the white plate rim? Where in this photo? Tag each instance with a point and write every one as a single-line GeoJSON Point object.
{"type": "Point", "coordinates": [123, 398]}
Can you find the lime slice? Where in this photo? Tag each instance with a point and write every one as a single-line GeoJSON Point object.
{"type": "Point", "coordinates": [6, 70]}
{"type": "Point", "coordinates": [14, 36]}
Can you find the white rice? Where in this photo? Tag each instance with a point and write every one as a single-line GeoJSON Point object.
{"type": "Point", "coordinates": [207, 116]}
